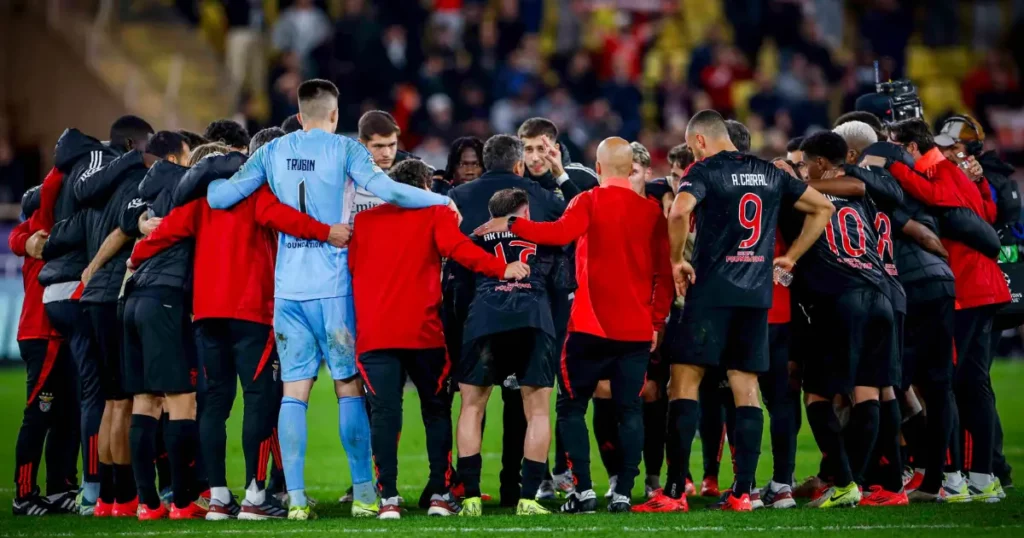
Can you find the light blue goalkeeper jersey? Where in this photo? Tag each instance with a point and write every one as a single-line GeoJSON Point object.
{"type": "Point", "coordinates": [317, 173]}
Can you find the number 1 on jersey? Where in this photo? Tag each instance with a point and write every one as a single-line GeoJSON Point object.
{"type": "Point", "coordinates": [754, 223]}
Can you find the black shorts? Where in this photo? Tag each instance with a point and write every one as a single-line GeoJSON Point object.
{"type": "Point", "coordinates": [108, 336]}
{"type": "Point", "coordinates": [733, 338]}
{"type": "Point", "coordinates": [857, 340]}
{"type": "Point", "coordinates": [928, 343]}
{"type": "Point", "coordinates": [528, 354]}
{"type": "Point", "coordinates": [587, 359]}
{"type": "Point", "coordinates": [160, 347]}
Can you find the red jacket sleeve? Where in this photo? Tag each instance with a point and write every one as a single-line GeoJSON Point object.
{"type": "Point", "coordinates": [573, 223]}
{"type": "Point", "coordinates": [454, 244]}
{"type": "Point", "coordinates": [179, 224]}
{"type": "Point", "coordinates": [19, 237]}
{"type": "Point", "coordinates": [935, 191]}
{"type": "Point", "coordinates": [270, 212]}
{"type": "Point", "coordinates": [988, 205]}
{"type": "Point", "coordinates": [664, 288]}
{"type": "Point", "coordinates": [43, 218]}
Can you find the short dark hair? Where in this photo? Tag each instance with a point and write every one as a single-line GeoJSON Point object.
{"type": "Point", "coordinates": [261, 138]}
{"type": "Point", "coordinates": [794, 144]}
{"type": "Point", "coordinates": [866, 117]}
{"type": "Point", "coordinates": [455, 154]}
{"type": "Point", "coordinates": [535, 127]}
{"type": "Point", "coordinates": [129, 129]}
{"type": "Point", "coordinates": [708, 123]}
{"type": "Point", "coordinates": [227, 132]}
{"type": "Point", "coordinates": [502, 152]}
{"type": "Point", "coordinates": [825, 144]}
{"type": "Point", "coordinates": [317, 98]}
{"type": "Point", "coordinates": [165, 143]}
{"type": "Point", "coordinates": [291, 124]}
{"type": "Point", "coordinates": [194, 140]}
{"type": "Point", "coordinates": [507, 201]}
{"type": "Point", "coordinates": [739, 134]}
{"type": "Point", "coordinates": [913, 130]}
{"type": "Point", "coordinates": [377, 123]}
{"type": "Point", "coordinates": [412, 172]}
{"type": "Point", "coordinates": [681, 156]}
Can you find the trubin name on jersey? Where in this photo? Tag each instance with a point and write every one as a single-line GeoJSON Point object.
{"type": "Point", "coordinates": [302, 165]}
{"type": "Point", "coordinates": [749, 180]}
{"type": "Point", "coordinates": [745, 256]}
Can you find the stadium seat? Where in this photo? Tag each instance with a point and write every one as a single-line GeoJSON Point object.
{"type": "Point", "coordinates": [742, 91]}
{"type": "Point", "coordinates": [922, 64]}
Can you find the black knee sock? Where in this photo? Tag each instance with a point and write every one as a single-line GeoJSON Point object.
{"type": "Point", "coordinates": [107, 488]}
{"type": "Point", "coordinates": [712, 430]}
{"type": "Point", "coordinates": [828, 434]}
{"type": "Point", "coordinates": [683, 416]}
{"type": "Point", "coordinates": [860, 436]}
{"type": "Point", "coordinates": [124, 483]}
{"type": "Point", "coordinates": [914, 431]}
{"type": "Point", "coordinates": [163, 464]}
{"type": "Point", "coordinates": [655, 427]}
{"type": "Point", "coordinates": [142, 439]}
{"type": "Point", "coordinates": [533, 474]}
{"type": "Point", "coordinates": [606, 432]}
{"type": "Point", "coordinates": [891, 465]}
{"type": "Point", "coordinates": [938, 400]}
{"type": "Point", "coordinates": [181, 437]}
{"type": "Point", "coordinates": [469, 472]}
{"type": "Point", "coordinates": [783, 439]}
{"type": "Point", "coordinates": [749, 425]}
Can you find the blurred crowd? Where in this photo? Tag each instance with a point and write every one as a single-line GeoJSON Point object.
{"type": "Point", "coordinates": [633, 68]}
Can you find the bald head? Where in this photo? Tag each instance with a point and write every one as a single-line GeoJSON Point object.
{"type": "Point", "coordinates": [708, 134]}
{"type": "Point", "coordinates": [614, 158]}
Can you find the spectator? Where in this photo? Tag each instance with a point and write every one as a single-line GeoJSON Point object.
{"type": "Point", "coordinates": [624, 97]}
{"type": "Point", "coordinates": [243, 49]}
{"type": "Point", "coordinates": [433, 151]}
{"type": "Point", "coordinates": [284, 88]}
{"type": "Point", "coordinates": [717, 79]}
{"type": "Point", "coordinates": [766, 102]}
{"type": "Point", "coordinates": [508, 113]}
{"type": "Point", "coordinates": [300, 29]}
{"type": "Point", "coordinates": [581, 78]}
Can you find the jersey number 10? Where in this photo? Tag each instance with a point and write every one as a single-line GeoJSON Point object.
{"type": "Point", "coordinates": [848, 247]}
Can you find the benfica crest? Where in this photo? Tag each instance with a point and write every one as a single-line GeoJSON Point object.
{"type": "Point", "coordinates": [45, 401]}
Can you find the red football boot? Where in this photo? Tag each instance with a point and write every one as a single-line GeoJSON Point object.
{"type": "Point", "coordinates": [192, 511]}
{"type": "Point", "coordinates": [734, 504]}
{"type": "Point", "coordinates": [662, 503]}
{"type": "Point", "coordinates": [880, 497]}
{"type": "Point", "coordinates": [709, 487]}
{"type": "Point", "coordinates": [689, 488]}
{"type": "Point", "coordinates": [103, 509]}
{"type": "Point", "coordinates": [128, 509]}
{"type": "Point", "coordinates": [152, 514]}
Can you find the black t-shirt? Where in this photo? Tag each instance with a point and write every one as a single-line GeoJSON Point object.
{"type": "Point", "coordinates": [738, 201]}
{"type": "Point", "coordinates": [846, 255]}
{"type": "Point", "coordinates": [504, 305]}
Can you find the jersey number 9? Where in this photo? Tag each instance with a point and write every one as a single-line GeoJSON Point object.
{"type": "Point", "coordinates": [754, 222]}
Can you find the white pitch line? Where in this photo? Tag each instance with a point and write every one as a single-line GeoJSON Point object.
{"type": "Point", "coordinates": [516, 530]}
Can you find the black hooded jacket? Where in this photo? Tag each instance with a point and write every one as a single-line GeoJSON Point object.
{"type": "Point", "coordinates": [171, 268]}
{"type": "Point", "coordinates": [193, 184]}
{"type": "Point", "coordinates": [78, 156]}
{"type": "Point", "coordinates": [105, 196]}
{"type": "Point", "coordinates": [1007, 193]}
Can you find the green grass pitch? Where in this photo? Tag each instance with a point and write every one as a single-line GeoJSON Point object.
{"type": "Point", "coordinates": [327, 477]}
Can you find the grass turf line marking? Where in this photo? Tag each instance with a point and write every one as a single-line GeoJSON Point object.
{"type": "Point", "coordinates": [520, 530]}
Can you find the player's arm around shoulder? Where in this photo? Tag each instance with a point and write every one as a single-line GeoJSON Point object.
{"type": "Point", "coordinates": [224, 193]}
{"type": "Point", "coordinates": [818, 211]}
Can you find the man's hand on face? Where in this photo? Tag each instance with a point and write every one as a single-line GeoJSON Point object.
{"type": "Point", "coordinates": [553, 156]}
{"type": "Point", "coordinates": [339, 235]}
{"type": "Point", "coordinates": [34, 245]}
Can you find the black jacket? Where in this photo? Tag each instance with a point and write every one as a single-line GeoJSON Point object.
{"type": "Point", "coordinates": [1007, 193]}
{"type": "Point", "coordinates": [171, 268]}
{"type": "Point", "coordinates": [78, 156]}
{"type": "Point", "coordinates": [193, 184]}
{"type": "Point", "coordinates": [105, 196]}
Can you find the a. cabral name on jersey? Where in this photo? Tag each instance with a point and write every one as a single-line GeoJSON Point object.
{"type": "Point", "coordinates": [749, 180]}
